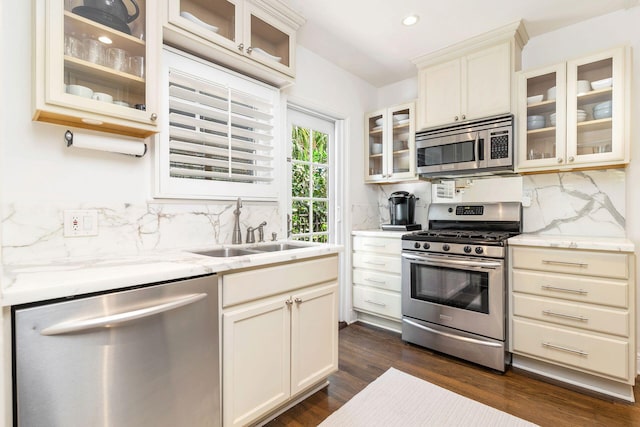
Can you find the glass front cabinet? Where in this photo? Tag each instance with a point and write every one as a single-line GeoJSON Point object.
{"type": "Point", "coordinates": [575, 114]}
{"type": "Point", "coordinates": [254, 36]}
{"type": "Point", "coordinates": [390, 144]}
{"type": "Point", "coordinates": [91, 65]}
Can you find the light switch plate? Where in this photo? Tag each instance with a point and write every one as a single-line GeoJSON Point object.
{"type": "Point", "coordinates": [79, 223]}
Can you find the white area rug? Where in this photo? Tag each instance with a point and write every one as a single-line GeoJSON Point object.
{"type": "Point", "coordinates": [399, 399]}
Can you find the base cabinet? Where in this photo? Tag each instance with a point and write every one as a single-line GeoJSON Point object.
{"type": "Point", "coordinates": [575, 309]}
{"type": "Point", "coordinates": [280, 335]}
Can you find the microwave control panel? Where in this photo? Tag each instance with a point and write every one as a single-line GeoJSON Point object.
{"type": "Point", "coordinates": [499, 142]}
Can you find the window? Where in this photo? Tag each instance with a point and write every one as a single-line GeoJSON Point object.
{"type": "Point", "coordinates": [311, 177]}
{"type": "Point", "coordinates": [220, 136]}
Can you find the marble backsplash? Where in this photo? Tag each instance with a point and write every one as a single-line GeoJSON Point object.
{"type": "Point", "coordinates": [34, 234]}
{"type": "Point", "coordinates": [590, 203]}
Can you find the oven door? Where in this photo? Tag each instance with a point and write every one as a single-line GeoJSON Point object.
{"type": "Point", "coordinates": [465, 293]}
{"type": "Point", "coordinates": [461, 151]}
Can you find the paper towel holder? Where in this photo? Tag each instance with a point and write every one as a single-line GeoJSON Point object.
{"type": "Point", "coordinates": [135, 149]}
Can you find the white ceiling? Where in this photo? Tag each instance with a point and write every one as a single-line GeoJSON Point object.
{"type": "Point", "coordinates": [367, 38]}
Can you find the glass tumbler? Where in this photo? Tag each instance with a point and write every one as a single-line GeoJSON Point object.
{"type": "Point", "coordinates": [136, 65]}
{"type": "Point", "coordinates": [117, 59]}
{"type": "Point", "coordinates": [73, 46]}
{"type": "Point", "coordinates": [94, 51]}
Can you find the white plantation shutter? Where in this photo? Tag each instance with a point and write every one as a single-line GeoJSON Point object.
{"type": "Point", "coordinates": [220, 139]}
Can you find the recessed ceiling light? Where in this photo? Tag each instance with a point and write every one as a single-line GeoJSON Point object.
{"type": "Point", "coordinates": [105, 39]}
{"type": "Point", "coordinates": [410, 20]}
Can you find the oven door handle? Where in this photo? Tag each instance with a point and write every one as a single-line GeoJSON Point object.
{"type": "Point", "coordinates": [451, 262]}
{"type": "Point", "coordinates": [452, 336]}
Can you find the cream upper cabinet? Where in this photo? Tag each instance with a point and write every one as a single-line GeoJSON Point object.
{"type": "Point", "coordinates": [469, 80]}
{"type": "Point", "coordinates": [91, 67]}
{"type": "Point", "coordinates": [257, 37]}
{"type": "Point", "coordinates": [390, 144]}
{"type": "Point", "coordinates": [575, 114]}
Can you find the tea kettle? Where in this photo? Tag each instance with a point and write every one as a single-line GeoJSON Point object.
{"type": "Point", "coordinates": [115, 8]}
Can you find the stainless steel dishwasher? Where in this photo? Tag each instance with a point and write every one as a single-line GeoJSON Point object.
{"type": "Point", "coordinates": [147, 356]}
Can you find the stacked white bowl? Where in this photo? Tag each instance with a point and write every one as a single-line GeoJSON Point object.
{"type": "Point", "coordinates": [584, 86]}
{"type": "Point", "coordinates": [535, 122]}
{"type": "Point", "coordinates": [602, 110]}
{"type": "Point", "coordinates": [552, 119]}
{"type": "Point", "coordinates": [581, 115]}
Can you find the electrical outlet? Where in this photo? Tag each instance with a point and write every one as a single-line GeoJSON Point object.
{"type": "Point", "coordinates": [80, 223]}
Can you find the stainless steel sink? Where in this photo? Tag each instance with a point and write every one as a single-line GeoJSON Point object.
{"type": "Point", "coordinates": [227, 252]}
{"type": "Point", "coordinates": [277, 247]}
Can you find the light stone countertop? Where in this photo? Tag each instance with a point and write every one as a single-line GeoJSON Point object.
{"type": "Point", "coordinates": [39, 282]}
{"type": "Point", "coordinates": [380, 233]}
{"type": "Point", "coordinates": [613, 244]}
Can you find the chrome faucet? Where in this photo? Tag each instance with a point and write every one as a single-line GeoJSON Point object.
{"type": "Point", "coordinates": [237, 234]}
{"type": "Point", "coordinates": [261, 231]}
{"type": "Point", "coordinates": [251, 237]}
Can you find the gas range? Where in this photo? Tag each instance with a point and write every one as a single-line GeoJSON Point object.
{"type": "Point", "coordinates": [480, 229]}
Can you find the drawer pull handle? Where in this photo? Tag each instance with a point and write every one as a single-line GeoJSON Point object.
{"type": "Point", "coordinates": [375, 303]}
{"type": "Point", "coordinates": [565, 316]}
{"type": "Point", "coordinates": [571, 291]}
{"type": "Point", "coordinates": [382, 282]}
{"type": "Point", "coordinates": [567, 349]}
{"type": "Point", "coordinates": [375, 245]}
{"type": "Point", "coordinates": [374, 263]}
{"type": "Point", "coordinates": [564, 263]}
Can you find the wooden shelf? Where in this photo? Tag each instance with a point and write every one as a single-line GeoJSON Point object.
{"type": "Point", "coordinates": [593, 125]}
{"type": "Point", "coordinates": [542, 107]}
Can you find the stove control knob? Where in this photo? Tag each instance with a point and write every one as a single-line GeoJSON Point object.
{"type": "Point", "coordinates": [450, 210]}
{"type": "Point", "coordinates": [467, 249]}
{"type": "Point", "coordinates": [426, 246]}
{"type": "Point", "coordinates": [479, 250]}
{"type": "Point", "coordinates": [416, 245]}
{"type": "Point", "coordinates": [445, 247]}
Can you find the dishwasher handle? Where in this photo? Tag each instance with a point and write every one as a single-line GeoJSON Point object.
{"type": "Point", "coordinates": [120, 318]}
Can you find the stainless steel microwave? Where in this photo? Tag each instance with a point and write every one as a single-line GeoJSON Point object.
{"type": "Point", "coordinates": [473, 147]}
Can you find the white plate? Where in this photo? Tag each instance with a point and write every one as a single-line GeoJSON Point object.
{"type": "Point", "coordinates": [534, 99]}
{"type": "Point", "coordinates": [266, 55]}
{"type": "Point", "coordinates": [400, 117]}
{"type": "Point", "coordinates": [602, 84]}
{"type": "Point", "coordinates": [379, 121]}
{"type": "Point", "coordinates": [203, 24]}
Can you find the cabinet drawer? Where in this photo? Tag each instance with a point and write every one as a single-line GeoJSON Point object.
{"type": "Point", "coordinates": [381, 245]}
{"type": "Point", "coordinates": [576, 288]}
{"type": "Point", "coordinates": [377, 301]}
{"type": "Point", "coordinates": [583, 316]}
{"type": "Point", "coordinates": [586, 263]}
{"type": "Point", "coordinates": [390, 282]}
{"type": "Point", "coordinates": [263, 282]}
{"type": "Point", "coordinates": [607, 356]}
{"type": "Point", "coordinates": [384, 263]}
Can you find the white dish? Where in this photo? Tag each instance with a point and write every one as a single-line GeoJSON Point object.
{"type": "Point", "coordinates": [583, 87]}
{"type": "Point", "coordinates": [535, 118]}
{"type": "Point", "coordinates": [376, 148]}
{"type": "Point", "coordinates": [602, 114]}
{"type": "Point", "coordinates": [602, 106]}
{"type": "Point", "coordinates": [400, 117]}
{"type": "Point", "coordinates": [267, 55]}
{"type": "Point", "coordinates": [551, 93]}
{"type": "Point", "coordinates": [602, 84]}
{"type": "Point", "coordinates": [539, 124]}
{"type": "Point", "coordinates": [379, 121]}
{"type": "Point", "coordinates": [535, 99]}
{"type": "Point", "coordinates": [203, 24]}
{"type": "Point", "coordinates": [82, 91]}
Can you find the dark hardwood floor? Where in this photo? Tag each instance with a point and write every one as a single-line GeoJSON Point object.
{"type": "Point", "coordinates": [367, 352]}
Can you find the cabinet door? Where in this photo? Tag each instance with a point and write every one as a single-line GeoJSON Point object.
{"type": "Point", "coordinates": [486, 82]}
{"type": "Point", "coordinates": [268, 40]}
{"type": "Point", "coordinates": [400, 146]}
{"type": "Point", "coordinates": [375, 166]}
{"type": "Point", "coordinates": [256, 351]}
{"type": "Point", "coordinates": [314, 336]}
{"type": "Point", "coordinates": [595, 108]}
{"type": "Point", "coordinates": [219, 21]}
{"type": "Point", "coordinates": [440, 94]}
{"type": "Point", "coordinates": [93, 74]}
{"type": "Point", "coordinates": [542, 118]}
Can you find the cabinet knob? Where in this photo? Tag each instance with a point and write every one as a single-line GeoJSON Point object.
{"type": "Point", "coordinates": [241, 47]}
{"type": "Point", "coordinates": [298, 300]}
{"type": "Point", "coordinates": [464, 117]}
{"type": "Point", "coordinates": [249, 50]}
{"type": "Point", "coordinates": [571, 159]}
{"type": "Point", "coordinates": [288, 302]}
{"type": "Point", "coordinates": [153, 117]}
{"type": "Point", "coordinates": [560, 160]}
{"type": "Point", "coordinates": [456, 118]}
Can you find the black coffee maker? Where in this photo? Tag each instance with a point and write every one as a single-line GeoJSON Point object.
{"type": "Point", "coordinates": [402, 206]}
